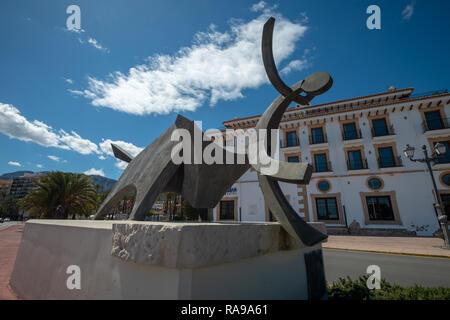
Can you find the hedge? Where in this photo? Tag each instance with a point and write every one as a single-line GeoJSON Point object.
{"type": "Point", "coordinates": [348, 289]}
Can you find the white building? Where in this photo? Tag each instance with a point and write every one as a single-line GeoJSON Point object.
{"type": "Point", "coordinates": [361, 180]}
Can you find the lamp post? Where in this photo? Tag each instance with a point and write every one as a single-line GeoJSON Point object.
{"type": "Point", "coordinates": [439, 149]}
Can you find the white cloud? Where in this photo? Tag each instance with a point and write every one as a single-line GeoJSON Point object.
{"type": "Point", "coordinates": [16, 126]}
{"type": "Point", "coordinates": [54, 158]}
{"type": "Point", "coordinates": [14, 163]}
{"type": "Point", "coordinates": [39, 166]}
{"type": "Point", "coordinates": [96, 172]}
{"type": "Point", "coordinates": [77, 143]}
{"type": "Point", "coordinates": [295, 65]}
{"type": "Point", "coordinates": [102, 158]}
{"type": "Point", "coordinates": [217, 66]}
{"type": "Point", "coordinates": [68, 80]}
{"type": "Point", "coordinates": [408, 11]}
{"type": "Point", "coordinates": [97, 45]}
{"type": "Point", "coordinates": [84, 38]}
{"type": "Point", "coordinates": [121, 164]}
{"type": "Point", "coordinates": [258, 6]}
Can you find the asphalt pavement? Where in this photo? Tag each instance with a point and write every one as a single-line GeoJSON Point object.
{"type": "Point", "coordinates": [404, 270]}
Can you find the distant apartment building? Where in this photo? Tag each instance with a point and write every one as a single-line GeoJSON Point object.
{"type": "Point", "coordinates": [361, 179]}
{"type": "Point", "coordinates": [21, 186]}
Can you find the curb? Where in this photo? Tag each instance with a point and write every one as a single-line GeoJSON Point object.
{"type": "Point", "coordinates": [13, 225]}
{"type": "Point", "coordinates": [393, 253]}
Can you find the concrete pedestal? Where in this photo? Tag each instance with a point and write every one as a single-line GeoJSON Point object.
{"type": "Point", "coordinates": [164, 260]}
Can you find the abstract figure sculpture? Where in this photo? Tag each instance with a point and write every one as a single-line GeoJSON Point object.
{"type": "Point", "coordinates": [152, 171]}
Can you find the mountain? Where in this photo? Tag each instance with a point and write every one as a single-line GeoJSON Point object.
{"type": "Point", "coordinates": [13, 175]}
{"type": "Point", "coordinates": [103, 182]}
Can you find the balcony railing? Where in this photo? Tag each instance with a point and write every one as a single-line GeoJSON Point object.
{"type": "Point", "coordinates": [383, 131]}
{"type": "Point", "coordinates": [313, 140]}
{"type": "Point", "coordinates": [390, 162]}
{"type": "Point", "coordinates": [322, 167]}
{"type": "Point", "coordinates": [357, 165]}
{"type": "Point", "coordinates": [352, 136]}
{"type": "Point", "coordinates": [435, 124]}
{"type": "Point", "coordinates": [289, 143]}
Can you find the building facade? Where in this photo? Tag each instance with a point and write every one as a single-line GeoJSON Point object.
{"type": "Point", "coordinates": [361, 182]}
{"type": "Point", "coordinates": [21, 186]}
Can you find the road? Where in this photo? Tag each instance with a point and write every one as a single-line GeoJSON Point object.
{"type": "Point", "coordinates": [401, 269]}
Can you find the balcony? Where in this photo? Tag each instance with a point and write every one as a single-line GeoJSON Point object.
{"type": "Point", "coordinates": [389, 162]}
{"type": "Point", "coordinates": [435, 124]}
{"type": "Point", "coordinates": [383, 131]}
{"type": "Point", "coordinates": [290, 143]}
{"type": "Point", "coordinates": [318, 139]}
{"type": "Point", "coordinates": [322, 167]}
{"type": "Point", "coordinates": [357, 165]}
{"type": "Point", "coordinates": [352, 135]}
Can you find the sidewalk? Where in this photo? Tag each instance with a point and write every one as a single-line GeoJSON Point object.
{"type": "Point", "coordinates": [9, 244]}
{"type": "Point", "coordinates": [396, 245]}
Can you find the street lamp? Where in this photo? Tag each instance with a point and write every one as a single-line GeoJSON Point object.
{"type": "Point", "coordinates": [439, 149]}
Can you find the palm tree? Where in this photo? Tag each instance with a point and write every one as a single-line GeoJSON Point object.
{"type": "Point", "coordinates": [60, 195]}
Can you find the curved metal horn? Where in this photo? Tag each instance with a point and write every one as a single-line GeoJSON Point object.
{"type": "Point", "coordinates": [314, 85]}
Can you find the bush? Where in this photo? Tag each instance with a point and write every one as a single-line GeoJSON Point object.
{"type": "Point", "coordinates": [189, 212]}
{"type": "Point", "coordinates": [348, 289]}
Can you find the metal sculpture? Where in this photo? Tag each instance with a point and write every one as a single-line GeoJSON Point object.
{"type": "Point", "coordinates": [152, 171]}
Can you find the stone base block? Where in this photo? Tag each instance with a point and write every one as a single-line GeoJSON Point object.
{"type": "Point", "coordinates": [164, 260]}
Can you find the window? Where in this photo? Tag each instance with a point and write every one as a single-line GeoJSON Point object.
{"type": "Point", "coordinates": [380, 127]}
{"type": "Point", "coordinates": [291, 139]}
{"type": "Point", "coordinates": [293, 159]}
{"type": "Point", "coordinates": [317, 136]}
{"type": "Point", "coordinates": [375, 183]}
{"type": "Point", "coordinates": [323, 186]}
{"type": "Point", "coordinates": [226, 210]}
{"type": "Point", "coordinates": [320, 162]}
{"type": "Point", "coordinates": [327, 209]}
{"type": "Point", "coordinates": [433, 120]}
{"type": "Point", "coordinates": [446, 179]}
{"type": "Point", "coordinates": [350, 131]}
{"type": "Point", "coordinates": [445, 158]}
{"type": "Point", "coordinates": [355, 160]}
{"type": "Point", "coordinates": [386, 157]}
{"type": "Point", "coordinates": [380, 208]}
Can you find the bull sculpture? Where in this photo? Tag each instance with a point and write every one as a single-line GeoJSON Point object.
{"type": "Point", "coordinates": [153, 172]}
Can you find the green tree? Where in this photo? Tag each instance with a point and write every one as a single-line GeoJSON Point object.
{"type": "Point", "coordinates": [9, 207]}
{"type": "Point", "coordinates": [60, 195]}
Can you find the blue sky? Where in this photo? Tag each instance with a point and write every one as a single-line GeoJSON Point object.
{"type": "Point", "coordinates": [65, 95]}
